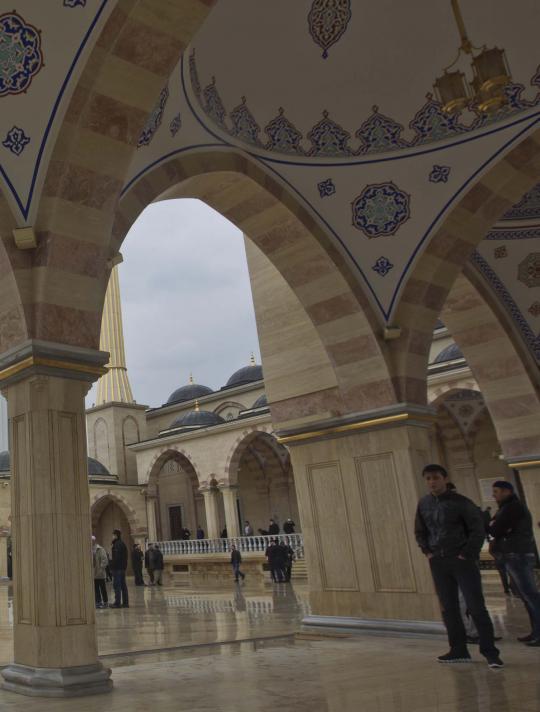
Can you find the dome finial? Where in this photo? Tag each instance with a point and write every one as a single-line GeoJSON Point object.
{"type": "Point", "coordinates": [252, 360]}
{"type": "Point", "coordinates": [197, 408]}
{"type": "Point", "coordinates": [191, 378]}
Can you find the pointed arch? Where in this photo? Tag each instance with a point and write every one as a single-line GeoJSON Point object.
{"type": "Point", "coordinates": [100, 502]}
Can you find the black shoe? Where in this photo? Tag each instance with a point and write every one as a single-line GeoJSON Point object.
{"type": "Point", "coordinates": [534, 643]}
{"type": "Point", "coordinates": [115, 605]}
{"type": "Point", "coordinates": [454, 658]}
{"type": "Point", "coordinates": [526, 638]}
{"type": "Point", "coordinates": [495, 662]}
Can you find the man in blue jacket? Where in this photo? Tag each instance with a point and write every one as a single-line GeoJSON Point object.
{"type": "Point", "coordinates": [450, 531]}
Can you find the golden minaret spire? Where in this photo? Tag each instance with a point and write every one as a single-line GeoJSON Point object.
{"type": "Point", "coordinates": [114, 385]}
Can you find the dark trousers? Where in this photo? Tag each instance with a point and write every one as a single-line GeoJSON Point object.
{"type": "Point", "coordinates": [276, 572]}
{"type": "Point", "coordinates": [137, 571]}
{"type": "Point", "coordinates": [151, 575]}
{"type": "Point", "coordinates": [521, 569]}
{"type": "Point", "coordinates": [288, 572]}
{"type": "Point", "coordinates": [449, 575]}
{"type": "Point", "coordinates": [237, 572]}
{"type": "Point", "coordinates": [100, 591]}
{"type": "Point", "coordinates": [120, 588]}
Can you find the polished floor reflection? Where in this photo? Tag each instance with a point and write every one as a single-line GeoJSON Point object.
{"type": "Point", "coordinates": [166, 654]}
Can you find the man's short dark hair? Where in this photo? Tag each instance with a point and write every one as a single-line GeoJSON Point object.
{"type": "Point", "coordinates": [504, 484]}
{"type": "Point", "coordinates": [117, 532]}
{"type": "Point", "coordinates": [430, 469]}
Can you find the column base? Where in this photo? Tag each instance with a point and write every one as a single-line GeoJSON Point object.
{"type": "Point", "coordinates": [57, 682]}
{"type": "Point", "coordinates": [374, 625]}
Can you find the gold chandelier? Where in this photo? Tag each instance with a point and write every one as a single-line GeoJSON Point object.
{"type": "Point", "coordinates": [491, 75]}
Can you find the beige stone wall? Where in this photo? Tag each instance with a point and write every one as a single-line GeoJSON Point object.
{"type": "Point", "coordinates": [176, 488]}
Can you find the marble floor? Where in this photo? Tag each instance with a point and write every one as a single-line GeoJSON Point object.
{"type": "Point", "coordinates": [166, 654]}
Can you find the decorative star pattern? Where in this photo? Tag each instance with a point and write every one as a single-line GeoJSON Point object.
{"type": "Point", "coordinates": [382, 266]}
{"type": "Point", "coordinates": [380, 209]}
{"type": "Point", "coordinates": [439, 174]}
{"type": "Point", "coordinates": [326, 188]}
{"type": "Point", "coordinates": [21, 57]}
{"type": "Point", "coordinates": [529, 270]}
{"type": "Point", "coordinates": [16, 140]}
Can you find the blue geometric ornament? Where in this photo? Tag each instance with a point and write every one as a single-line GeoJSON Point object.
{"type": "Point", "coordinates": [326, 188]}
{"type": "Point", "coordinates": [329, 139]}
{"type": "Point", "coordinates": [21, 57]}
{"type": "Point", "coordinates": [283, 136]}
{"type": "Point", "coordinates": [382, 266]}
{"type": "Point", "coordinates": [380, 209]}
{"type": "Point", "coordinates": [74, 3]}
{"type": "Point", "coordinates": [439, 174]}
{"type": "Point", "coordinates": [16, 140]}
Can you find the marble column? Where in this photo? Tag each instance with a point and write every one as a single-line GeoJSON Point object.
{"type": "Point", "coordinates": [55, 647]}
{"type": "Point", "coordinates": [151, 502]}
{"type": "Point", "coordinates": [358, 481]}
{"type": "Point", "coordinates": [211, 495]}
{"type": "Point", "coordinates": [230, 494]}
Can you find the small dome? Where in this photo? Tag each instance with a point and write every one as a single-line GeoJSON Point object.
{"type": "Point", "coordinates": [450, 353]}
{"type": "Point", "coordinates": [94, 466]}
{"type": "Point", "coordinates": [4, 461]}
{"type": "Point", "coordinates": [247, 374]}
{"type": "Point", "coordinates": [189, 392]}
{"type": "Point", "coordinates": [261, 402]}
{"type": "Point", "coordinates": [197, 419]}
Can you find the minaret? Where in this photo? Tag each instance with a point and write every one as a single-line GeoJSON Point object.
{"type": "Point", "coordinates": [114, 385]}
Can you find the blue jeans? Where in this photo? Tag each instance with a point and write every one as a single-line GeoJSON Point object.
{"type": "Point", "coordinates": [521, 569]}
{"type": "Point", "coordinates": [237, 572]}
{"type": "Point", "coordinates": [120, 588]}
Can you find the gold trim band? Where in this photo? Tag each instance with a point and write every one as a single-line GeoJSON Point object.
{"type": "Point", "coordinates": [524, 463]}
{"type": "Point", "coordinates": [362, 425]}
{"type": "Point", "coordinates": [50, 363]}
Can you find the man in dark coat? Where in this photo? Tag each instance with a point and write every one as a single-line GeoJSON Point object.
{"type": "Point", "coordinates": [149, 564]}
{"type": "Point", "coordinates": [137, 558]}
{"type": "Point", "coordinates": [512, 531]}
{"type": "Point", "coordinates": [449, 529]}
{"type": "Point", "coordinates": [272, 555]}
{"type": "Point", "coordinates": [157, 563]}
{"type": "Point", "coordinates": [119, 562]}
{"type": "Point", "coordinates": [273, 529]}
{"type": "Point", "coordinates": [236, 560]}
{"type": "Point", "coordinates": [289, 558]}
{"type": "Point", "coordinates": [289, 526]}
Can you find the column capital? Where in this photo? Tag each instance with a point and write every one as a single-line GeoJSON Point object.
{"type": "Point", "coordinates": [47, 358]}
{"type": "Point", "coordinates": [395, 415]}
{"type": "Point", "coordinates": [227, 486]}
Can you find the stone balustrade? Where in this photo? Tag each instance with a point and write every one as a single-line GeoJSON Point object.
{"type": "Point", "coordinates": [245, 544]}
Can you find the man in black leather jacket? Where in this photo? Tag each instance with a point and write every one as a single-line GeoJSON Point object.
{"type": "Point", "coordinates": [450, 531]}
{"type": "Point", "coordinates": [119, 562]}
{"type": "Point", "coordinates": [512, 531]}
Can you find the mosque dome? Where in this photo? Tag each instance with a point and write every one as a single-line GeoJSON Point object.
{"type": "Point", "coordinates": [450, 353]}
{"type": "Point", "coordinates": [197, 419]}
{"type": "Point", "coordinates": [247, 374]}
{"type": "Point", "coordinates": [261, 402]}
{"type": "Point", "coordinates": [191, 391]}
{"type": "Point", "coordinates": [95, 468]}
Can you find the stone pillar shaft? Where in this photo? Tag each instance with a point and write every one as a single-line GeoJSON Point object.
{"type": "Point", "coordinates": [151, 517]}
{"type": "Point", "coordinates": [212, 513]}
{"type": "Point", "coordinates": [229, 493]}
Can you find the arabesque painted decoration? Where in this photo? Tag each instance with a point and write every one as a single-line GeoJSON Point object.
{"type": "Point", "coordinates": [327, 21]}
{"type": "Point", "coordinates": [16, 140]}
{"type": "Point", "coordinates": [380, 209]}
{"type": "Point", "coordinates": [21, 56]}
{"type": "Point", "coordinates": [154, 120]}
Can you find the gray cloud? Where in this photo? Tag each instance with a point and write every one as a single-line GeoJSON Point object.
{"type": "Point", "coordinates": [186, 300]}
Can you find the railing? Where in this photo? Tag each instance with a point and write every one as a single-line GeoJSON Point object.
{"type": "Point", "coordinates": [244, 544]}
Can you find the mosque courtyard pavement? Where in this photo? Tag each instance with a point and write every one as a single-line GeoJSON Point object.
{"type": "Point", "coordinates": [234, 649]}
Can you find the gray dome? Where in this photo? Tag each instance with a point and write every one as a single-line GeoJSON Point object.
{"type": "Point", "coordinates": [4, 461]}
{"type": "Point", "coordinates": [247, 374]}
{"type": "Point", "coordinates": [197, 419]}
{"type": "Point", "coordinates": [261, 402]}
{"type": "Point", "coordinates": [450, 353]}
{"type": "Point", "coordinates": [94, 466]}
{"type": "Point", "coordinates": [189, 392]}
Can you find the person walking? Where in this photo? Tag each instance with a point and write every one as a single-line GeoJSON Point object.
{"type": "Point", "coordinates": [271, 556]}
{"type": "Point", "coordinates": [248, 529]}
{"type": "Point", "coordinates": [100, 561]}
{"type": "Point", "coordinates": [289, 526]}
{"type": "Point", "coordinates": [289, 558]}
{"type": "Point", "coordinates": [148, 563]}
{"type": "Point", "coordinates": [119, 562]}
{"type": "Point", "coordinates": [236, 560]}
{"type": "Point", "coordinates": [273, 528]}
{"type": "Point", "coordinates": [512, 531]}
{"type": "Point", "coordinates": [137, 558]}
{"type": "Point", "coordinates": [157, 557]}
{"type": "Point", "coordinates": [449, 529]}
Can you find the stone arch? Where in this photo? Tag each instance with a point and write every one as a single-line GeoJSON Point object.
{"type": "Point", "coordinates": [446, 255]}
{"type": "Point", "coordinates": [101, 500]}
{"type": "Point", "coordinates": [238, 448]}
{"type": "Point", "coordinates": [506, 375]}
{"type": "Point", "coordinates": [301, 251]}
{"type": "Point", "coordinates": [228, 404]}
{"type": "Point", "coordinates": [439, 394]}
{"type": "Point", "coordinates": [163, 456]}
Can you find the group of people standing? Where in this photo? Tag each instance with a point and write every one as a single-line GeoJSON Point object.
{"type": "Point", "coordinates": [451, 530]}
{"type": "Point", "coordinates": [115, 567]}
{"type": "Point", "coordinates": [279, 554]}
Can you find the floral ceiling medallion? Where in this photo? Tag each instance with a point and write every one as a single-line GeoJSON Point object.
{"type": "Point", "coordinates": [328, 20]}
{"type": "Point", "coordinates": [21, 57]}
{"type": "Point", "coordinates": [380, 209]}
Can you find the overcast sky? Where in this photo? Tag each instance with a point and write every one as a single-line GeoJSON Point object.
{"type": "Point", "coordinates": [186, 300]}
